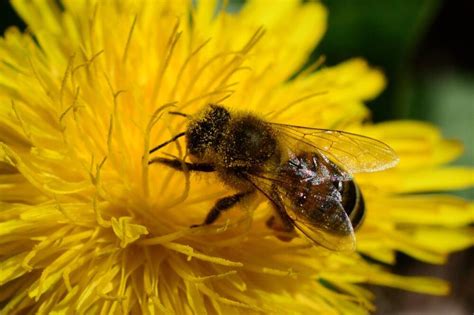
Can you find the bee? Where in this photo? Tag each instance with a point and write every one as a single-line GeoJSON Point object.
{"type": "Point", "coordinates": [306, 173]}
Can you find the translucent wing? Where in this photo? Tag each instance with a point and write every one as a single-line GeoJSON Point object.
{"type": "Point", "coordinates": [355, 153]}
{"type": "Point", "coordinates": [314, 206]}
{"type": "Point", "coordinates": [326, 238]}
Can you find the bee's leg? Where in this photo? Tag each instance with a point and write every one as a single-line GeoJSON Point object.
{"type": "Point", "coordinates": [221, 205]}
{"type": "Point", "coordinates": [281, 222]}
{"type": "Point", "coordinates": [180, 165]}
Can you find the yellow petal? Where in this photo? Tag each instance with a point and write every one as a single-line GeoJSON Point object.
{"type": "Point", "coordinates": [444, 240]}
{"type": "Point", "coordinates": [415, 284]}
{"type": "Point", "coordinates": [325, 96]}
{"type": "Point", "coordinates": [430, 210]}
{"type": "Point", "coordinates": [419, 180]}
{"type": "Point", "coordinates": [308, 25]}
{"type": "Point", "coordinates": [418, 144]}
{"type": "Point", "coordinates": [451, 178]}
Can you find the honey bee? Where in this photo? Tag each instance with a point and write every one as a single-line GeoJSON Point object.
{"type": "Point", "coordinates": [304, 172]}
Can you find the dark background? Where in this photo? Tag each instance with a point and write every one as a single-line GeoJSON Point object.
{"type": "Point", "coordinates": [426, 49]}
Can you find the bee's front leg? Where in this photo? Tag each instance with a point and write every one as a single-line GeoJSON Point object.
{"type": "Point", "coordinates": [181, 165]}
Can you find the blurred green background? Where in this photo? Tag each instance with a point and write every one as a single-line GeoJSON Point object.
{"type": "Point", "coordinates": [425, 48]}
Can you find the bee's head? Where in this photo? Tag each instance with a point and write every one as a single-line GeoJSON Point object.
{"type": "Point", "coordinates": [205, 132]}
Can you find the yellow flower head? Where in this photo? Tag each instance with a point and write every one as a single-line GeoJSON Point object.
{"type": "Point", "coordinates": [88, 226]}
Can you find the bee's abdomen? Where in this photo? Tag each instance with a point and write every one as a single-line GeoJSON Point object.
{"type": "Point", "coordinates": [353, 203]}
{"type": "Point", "coordinates": [313, 182]}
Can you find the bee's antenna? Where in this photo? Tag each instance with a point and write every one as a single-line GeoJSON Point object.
{"type": "Point", "coordinates": [179, 135]}
{"type": "Point", "coordinates": [179, 114]}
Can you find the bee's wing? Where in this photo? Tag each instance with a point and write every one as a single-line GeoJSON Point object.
{"type": "Point", "coordinates": [320, 232]}
{"type": "Point", "coordinates": [355, 153]}
{"type": "Point", "coordinates": [326, 224]}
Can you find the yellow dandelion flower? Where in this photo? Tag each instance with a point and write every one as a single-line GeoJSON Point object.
{"type": "Point", "coordinates": [87, 226]}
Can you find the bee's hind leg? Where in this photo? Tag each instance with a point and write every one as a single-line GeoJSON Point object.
{"type": "Point", "coordinates": [281, 222]}
{"type": "Point", "coordinates": [221, 205]}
